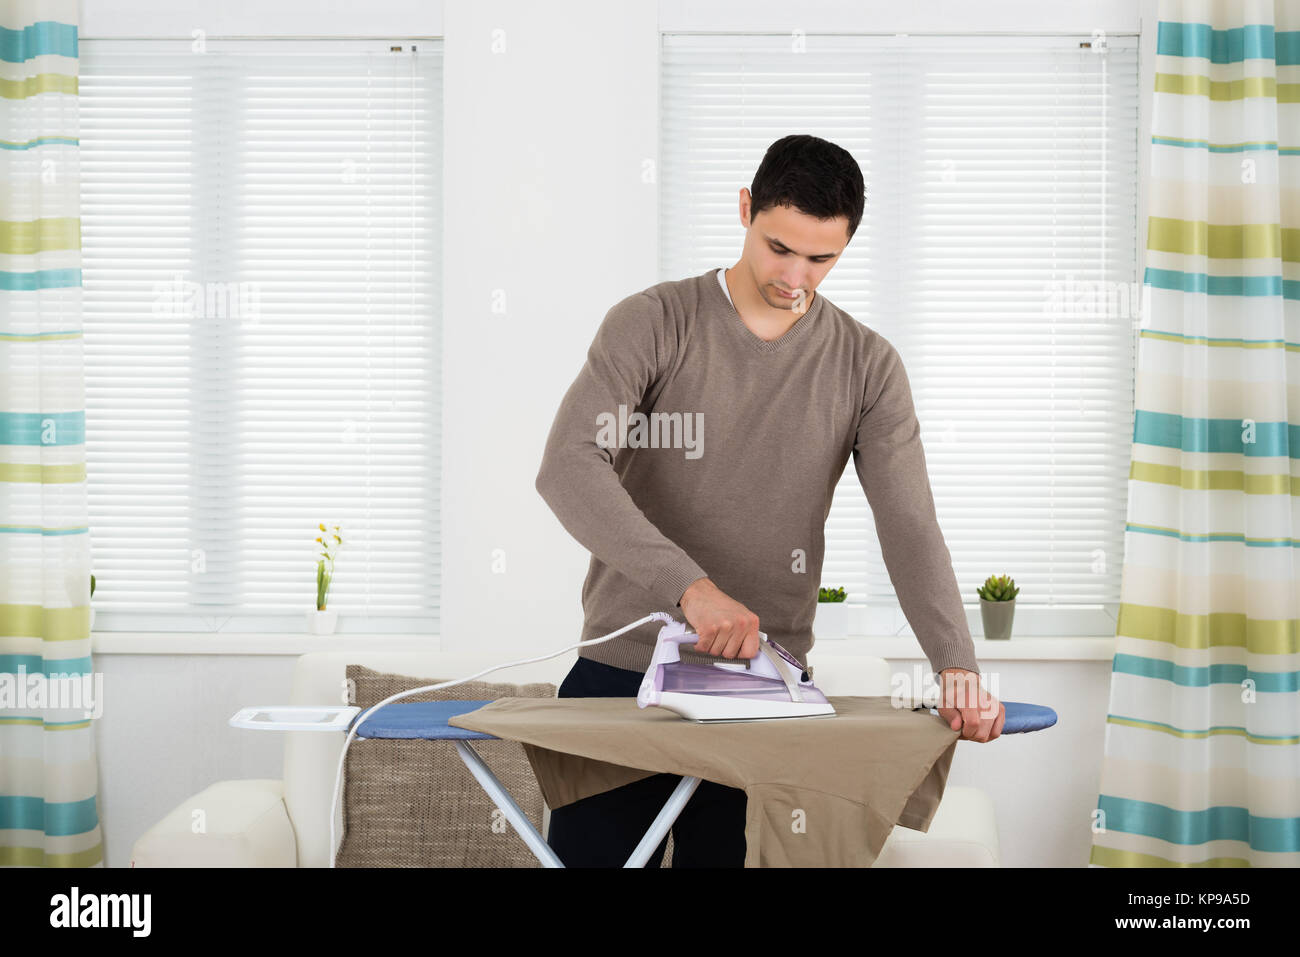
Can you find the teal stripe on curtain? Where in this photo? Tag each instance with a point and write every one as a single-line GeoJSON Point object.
{"type": "Point", "coordinates": [43, 428]}
{"type": "Point", "coordinates": [47, 38]}
{"type": "Point", "coordinates": [1274, 835]}
{"type": "Point", "coordinates": [49, 667]}
{"type": "Point", "coordinates": [39, 279]}
{"type": "Point", "coordinates": [1222, 285]}
{"type": "Point", "coordinates": [41, 141]}
{"type": "Point", "coordinates": [1279, 682]}
{"type": "Point", "coordinates": [1224, 46]}
{"type": "Point", "coordinates": [1191, 434]}
{"type": "Point", "coordinates": [58, 818]}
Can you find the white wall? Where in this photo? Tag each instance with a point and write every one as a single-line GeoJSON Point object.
{"type": "Point", "coordinates": [1044, 785]}
{"type": "Point", "coordinates": [545, 204]}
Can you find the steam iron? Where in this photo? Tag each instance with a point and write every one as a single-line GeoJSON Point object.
{"type": "Point", "coordinates": [774, 685]}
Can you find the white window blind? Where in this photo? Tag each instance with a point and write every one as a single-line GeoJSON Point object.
{"type": "Point", "coordinates": [997, 253]}
{"type": "Point", "coordinates": [261, 253]}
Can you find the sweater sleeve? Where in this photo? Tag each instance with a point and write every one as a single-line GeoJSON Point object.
{"type": "Point", "coordinates": [577, 477]}
{"type": "Point", "coordinates": [890, 462]}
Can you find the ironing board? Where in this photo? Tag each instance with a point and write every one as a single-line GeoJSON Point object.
{"type": "Point", "coordinates": [429, 720]}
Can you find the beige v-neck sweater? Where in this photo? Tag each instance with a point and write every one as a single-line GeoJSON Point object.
{"type": "Point", "coordinates": [688, 447]}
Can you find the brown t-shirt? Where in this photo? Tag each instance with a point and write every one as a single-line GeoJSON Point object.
{"type": "Point", "coordinates": [688, 447]}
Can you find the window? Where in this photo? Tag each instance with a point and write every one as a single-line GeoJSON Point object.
{"type": "Point", "coordinates": [998, 255]}
{"type": "Point", "coordinates": [261, 237]}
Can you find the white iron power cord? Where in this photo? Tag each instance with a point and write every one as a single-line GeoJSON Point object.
{"type": "Point", "coordinates": [338, 777]}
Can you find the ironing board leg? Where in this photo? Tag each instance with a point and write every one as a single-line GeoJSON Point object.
{"type": "Point", "coordinates": [518, 820]}
{"type": "Point", "coordinates": [676, 801]}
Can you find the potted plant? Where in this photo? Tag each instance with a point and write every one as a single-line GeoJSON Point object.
{"type": "Point", "coordinates": [322, 621]}
{"type": "Point", "coordinates": [92, 608]}
{"type": "Point", "coordinates": [832, 620]}
{"type": "Point", "coordinates": [998, 606]}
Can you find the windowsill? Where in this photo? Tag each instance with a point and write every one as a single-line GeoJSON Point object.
{"type": "Point", "coordinates": [249, 643]}
{"type": "Point", "coordinates": [1017, 648]}
{"type": "Point", "coordinates": [1097, 648]}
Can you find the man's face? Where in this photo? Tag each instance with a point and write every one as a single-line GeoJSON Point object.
{"type": "Point", "coordinates": [790, 252]}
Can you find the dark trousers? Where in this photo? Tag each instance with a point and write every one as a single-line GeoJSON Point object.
{"type": "Point", "coordinates": [603, 830]}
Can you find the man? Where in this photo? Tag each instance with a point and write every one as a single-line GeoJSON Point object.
{"type": "Point", "coordinates": [757, 391]}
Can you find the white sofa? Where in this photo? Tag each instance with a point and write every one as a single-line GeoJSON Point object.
{"type": "Point", "coordinates": [285, 823]}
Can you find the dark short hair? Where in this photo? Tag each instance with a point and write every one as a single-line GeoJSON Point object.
{"type": "Point", "coordinates": [811, 174]}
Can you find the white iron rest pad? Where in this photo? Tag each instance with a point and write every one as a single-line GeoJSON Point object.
{"type": "Point", "coordinates": [287, 717]}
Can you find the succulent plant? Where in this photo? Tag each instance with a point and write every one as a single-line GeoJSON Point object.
{"type": "Point", "coordinates": [831, 594]}
{"type": "Point", "coordinates": [998, 588]}
{"type": "Point", "coordinates": [92, 586]}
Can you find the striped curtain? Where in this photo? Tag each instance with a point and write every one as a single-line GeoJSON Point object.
{"type": "Point", "coordinates": [48, 698]}
{"type": "Point", "coordinates": [1201, 766]}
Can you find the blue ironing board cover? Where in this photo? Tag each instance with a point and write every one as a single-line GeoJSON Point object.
{"type": "Point", "coordinates": [421, 719]}
{"type": "Point", "coordinates": [1023, 717]}
{"type": "Point", "coordinates": [428, 719]}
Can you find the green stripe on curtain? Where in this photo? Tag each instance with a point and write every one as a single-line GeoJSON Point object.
{"type": "Point", "coordinates": [1196, 238]}
{"type": "Point", "coordinates": [39, 235]}
{"type": "Point", "coordinates": [36, 85]}
{"type": "Point", "coordinates": [1207, 479]}
{"type": "Point", "coordinates": [1220, 629]}
{"type": "Point", "coordinates": [37, 857]}
{"type": "Point", "coordinates": [1222, 341]}
{"type": "Point", "coordinates": [40, 141]}
{"type": "Point", "coordinates": [1195, 84]}
{"type": "Point", "coordinates": [1191, 733]}
{"type": "Point", "coordinates": [45, 474]}
{"type": "Point", "coordinates": [49, 624]}
{"type": "Point", "coordinates": [1110, 857]}
{"type": "Point", "coordinates": [1217, 147]}
{"type": "Point", "coordinates": [38, 336]}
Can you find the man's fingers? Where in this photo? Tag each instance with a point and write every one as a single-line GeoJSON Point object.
{"type": "Point", "coordinates": [972, 724]}
{"type": "Point", "coordinates": [999, 721]}
{"type": "Point", "coordinates": [706, 640]}
{"type": "Point", "coordinates": [990, 720]}
{"type": "Point", "coordinates": [725, 635]}
{"type": "Point", "coordinates": [745, 644]}
{"type": "Point", "coordinates": [719, 635]}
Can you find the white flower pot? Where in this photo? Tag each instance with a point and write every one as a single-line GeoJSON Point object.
{"type": "Point", "coordinates": [322, 622]}
{"type": "Point", "coordinates": [92, 619]}
{"type": "Point", "coordinates": [831, 620]}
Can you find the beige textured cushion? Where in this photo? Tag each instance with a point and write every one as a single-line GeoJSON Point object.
{"type": "Point", "coordinates": [413, 803]}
